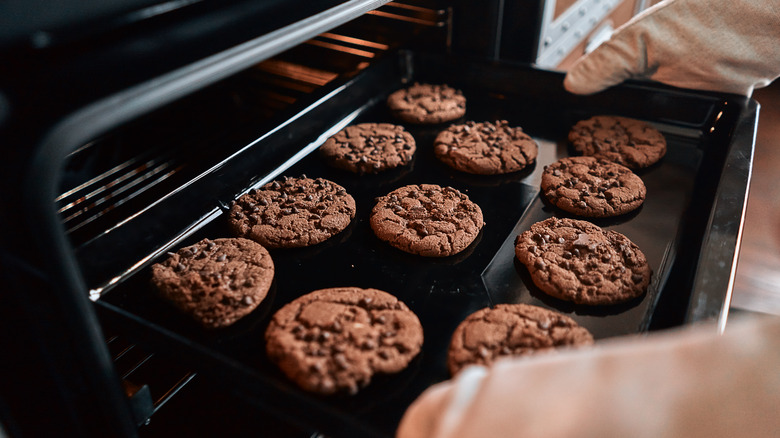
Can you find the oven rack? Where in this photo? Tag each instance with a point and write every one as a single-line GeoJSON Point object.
{"type": "Point", "coordinates": [149, 380]}
{"type": "Point", "coordinates": [109, 180]}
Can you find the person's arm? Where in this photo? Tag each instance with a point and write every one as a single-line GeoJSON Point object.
{"type": "Point", "coordinates": [719, 45]}
{"type": "Point", "coordinates": [687, 383]}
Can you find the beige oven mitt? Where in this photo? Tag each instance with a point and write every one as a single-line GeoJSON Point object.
{"type": "Point", "coordinates": [719, 45]}
{"type": "Point", "coordinates": [685, 383]}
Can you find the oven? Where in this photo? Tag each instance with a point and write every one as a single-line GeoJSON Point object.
{"type": "Point", "coordinates": [127, 131]}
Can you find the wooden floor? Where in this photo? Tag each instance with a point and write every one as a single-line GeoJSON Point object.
{"type": "Point", "coordinates": [757, 283]}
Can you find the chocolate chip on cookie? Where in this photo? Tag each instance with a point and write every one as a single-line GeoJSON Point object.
{"type": "Point", "coordinates": [369, 148]}
{"type": "Point", "coordinates": [577, 261]}
{"type": "Point", "coordinates": [427, 220]}
{"type": "Point", "coordinates": [427, 104]}
{"type": "Point", "coordinates": [292, 213]}
{"type": "Point", "coordinates": [485, 148]}
{"type": "Point", "coordinates": [336, 340]}
{"type": "Point", "coordinates": [591, 187]}
{"type": "Point", "coordinates": [632, 143]}
{"type": "Point", "coordinates": [216, 282]}
{"type": "Point", "coordinates": [511, 330]}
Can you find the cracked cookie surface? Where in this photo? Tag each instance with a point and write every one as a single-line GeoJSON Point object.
{"type": "Point", "coordinates": [292, 213]}
{"type": "Point", "coordinates": [427, 220]}
{"type": "Point", "coordinates": [588, 186]}
{"type": "Point", "coordinates": [336, 340]}
{"type": "Point", "coordinates": [577, 261]}
{"type": "Point", "coordinates": [369, 148]}
{"type": "Point", "coordinates": [427, 104]}
{"type": "Point", "coordinates": [511, 330]}
{"type": "Point", "coordinates": [632, 143]}
{"type": "Point", "coordinates": [216, 282]}
{"type": "Point", "coordinates": [485, 148]}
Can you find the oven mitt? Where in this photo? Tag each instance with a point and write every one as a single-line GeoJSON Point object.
{"type": "Point", "coordinates": [687, 383]}
{"type": "Point", "coordinates": [723, 45]}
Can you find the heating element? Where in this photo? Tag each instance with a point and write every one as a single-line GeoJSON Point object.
{"type": "Point", "coordinates": [111, 179]}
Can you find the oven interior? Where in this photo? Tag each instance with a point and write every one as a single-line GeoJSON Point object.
{"type": "Point", "coordinates": [164, 180]}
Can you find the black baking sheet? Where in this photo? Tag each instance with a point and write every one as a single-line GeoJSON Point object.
{"type": "Point", "coordinates": [653, 228]}
{"type": "Point", "coordinates": [441, 291]}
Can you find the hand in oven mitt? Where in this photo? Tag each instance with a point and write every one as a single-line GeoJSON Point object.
{"type": "Point", "coordinates": [684, 383]}
{"type": "Point", "coordinates": [724, 45]}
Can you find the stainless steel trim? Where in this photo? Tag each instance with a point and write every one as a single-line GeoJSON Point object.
{"type": "Point", "coordinates": [716, 268]}
{"type": "Point", "coordinates": [559, 37]}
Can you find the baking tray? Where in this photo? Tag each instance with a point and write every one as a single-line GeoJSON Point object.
{"type": "Point", "coordinates": [688, 227]}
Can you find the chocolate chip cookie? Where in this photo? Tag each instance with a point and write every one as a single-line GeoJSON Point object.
{"type": "Point", "coordinates": [336, 340]}
{"type": "Point", "coordinates": [577, 261]}
{"type": "Point", "coordinates": [216, 282]}
{"type": "Point", "coordinates": [427, 104]}
{"type": "Point", "coordinates": [293, 212]}
{"type": "Point", "coordinates": [485, 148]}
{"type": "Point", "coordinates": [511, 330]}
{"type": "Point", "coordinates": [427, 220]}
{"type": "Point", "coordinates": [369, 148]}
{"type": "Point", "coordinates": [629, 142]}
{"type": "Point", "coordinates": [591, 187]}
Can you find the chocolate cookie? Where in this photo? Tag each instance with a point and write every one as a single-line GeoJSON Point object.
{"type": "Point", "coordinates": [292, 213]}
{"type": "Point", "coordinates": [591, 187]}
{"type": "Point", "coordinates": [217, 281]}
{"type": "Point", "coordinates": [485, 148]}
{"type": "Point", "coordinates": [336, 340]}
{"type": "Point", "coordinates": [427, 104]}
{"type": "Point", "coordinates": [511, 330]}
{"type": "Point", "coordinates": [629, 142]}
{"type": "Point", "coordinates": [577, 261]}
{"type": "Point", "coordinates": [427, 220]}
{"type": "Point", "coordinates": [369, 148]}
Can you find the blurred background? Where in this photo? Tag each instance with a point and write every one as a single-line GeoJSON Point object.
{"type": "Point", "coordinates": [757, 282]}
